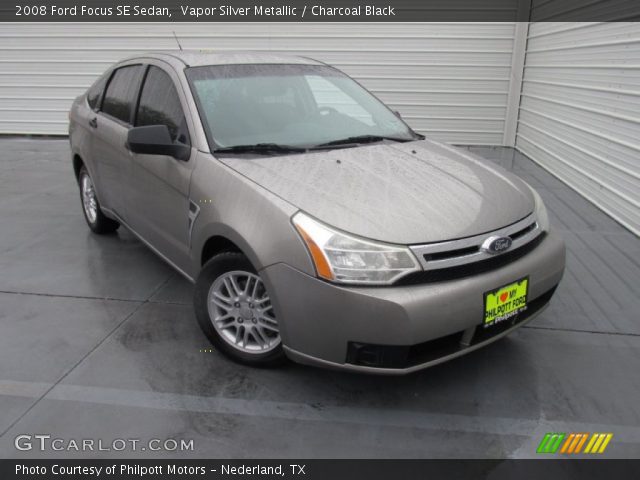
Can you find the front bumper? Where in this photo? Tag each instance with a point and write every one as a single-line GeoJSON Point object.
{"type": "Point", "coordinates": [416, 325]}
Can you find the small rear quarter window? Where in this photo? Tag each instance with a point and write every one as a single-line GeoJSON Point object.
{"type": "Point", "coordinates": [95, 92]}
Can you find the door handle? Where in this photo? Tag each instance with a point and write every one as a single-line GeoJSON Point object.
{"type": "Point", "coordinates": [93, 122]}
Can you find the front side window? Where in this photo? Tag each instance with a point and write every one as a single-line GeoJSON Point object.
{"type": "Point", "coordinates": [121, 91]}
{"type": "Point", "coordinates": [160, 105]}
{"type": "Point", "coordinates": [294, 105]}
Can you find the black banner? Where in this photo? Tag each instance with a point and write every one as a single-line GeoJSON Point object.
{"type": "Point", "coordinates": [320, 11]}
{"type": "Point", "coordinates": [320, 469]}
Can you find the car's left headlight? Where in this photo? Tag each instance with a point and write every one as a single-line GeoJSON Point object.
{"type": "Point", "coordinates": [344, 258]}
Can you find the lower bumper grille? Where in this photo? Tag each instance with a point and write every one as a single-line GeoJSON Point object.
{"type": "Point", "coordinates": [399, 356]}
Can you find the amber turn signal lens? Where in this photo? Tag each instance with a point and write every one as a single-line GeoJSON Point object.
{"type": "Point", "coordinates": [322, 266]}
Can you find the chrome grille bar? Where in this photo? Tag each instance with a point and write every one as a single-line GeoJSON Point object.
{"type": "Point", "coordinates": [435, 256]}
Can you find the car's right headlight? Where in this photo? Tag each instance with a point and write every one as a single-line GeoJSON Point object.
{"type": "Point", "coordinates": [542, 217]}
{"type": "Point", "coordinates": [344, 258]}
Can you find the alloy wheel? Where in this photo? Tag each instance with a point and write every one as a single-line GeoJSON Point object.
{"type": "Point", "coordinates": [241, 312]}
{"type": "Point", "coordinates": [89, 201]}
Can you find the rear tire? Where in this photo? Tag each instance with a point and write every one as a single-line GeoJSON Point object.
{"type": "Point", "coordinates": [235, 313]}
{"type": "Point", "coordinates": [97, 221]}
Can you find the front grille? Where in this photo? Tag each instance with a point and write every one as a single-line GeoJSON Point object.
{"type": "Point", "coordinates": [469, 269]}
{"type": "Point", "coordinates": [471, 255]}
{"type": "Point", "coordinates": [400, 356]}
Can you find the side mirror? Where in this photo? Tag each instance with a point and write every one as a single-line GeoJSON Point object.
{"type": "Point", "coordinates": [156, 140]}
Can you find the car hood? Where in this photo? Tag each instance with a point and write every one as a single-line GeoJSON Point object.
{"type": "Point", "coordinates": [406, 193]}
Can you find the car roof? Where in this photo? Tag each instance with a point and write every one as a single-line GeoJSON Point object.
{"type": "Point", "coordinates": [194, 58]}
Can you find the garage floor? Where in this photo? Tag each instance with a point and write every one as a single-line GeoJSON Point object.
{"type": "Point", "coordinates": [98, 340]}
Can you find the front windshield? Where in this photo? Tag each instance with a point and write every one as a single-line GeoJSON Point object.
{"type": "Point", "coordinates": [291, 105]}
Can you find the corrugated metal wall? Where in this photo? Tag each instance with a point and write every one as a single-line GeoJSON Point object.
{"type": "Point", "coordinates": [449, 80]}
{"type": "Point", "coordinates": [580, 111]}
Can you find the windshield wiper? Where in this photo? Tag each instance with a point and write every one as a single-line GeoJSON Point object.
{"type": "Point", "coordinates": [260, 148]}
{"type": "Point", "coordinates": [361, 139]}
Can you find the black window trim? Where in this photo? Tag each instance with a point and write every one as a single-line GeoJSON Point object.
{"type": "Point", "coordinates": [134, 118]}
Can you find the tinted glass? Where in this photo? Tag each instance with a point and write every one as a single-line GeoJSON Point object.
{"type": "Point", "coordinates": [160, 105]}
{"type": "Point", "coordinates": [95, 92]}
{"type": "Point", "coordinates": [299, 105]}
{"type": "Point", "coordinates": [120, 94]}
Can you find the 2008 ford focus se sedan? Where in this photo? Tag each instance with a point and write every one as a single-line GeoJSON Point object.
{"type": "Point", "coordinates": [315, 224]}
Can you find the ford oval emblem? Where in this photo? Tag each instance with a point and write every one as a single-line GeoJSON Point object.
{"type": "Point", "coordinates": [496, 244]}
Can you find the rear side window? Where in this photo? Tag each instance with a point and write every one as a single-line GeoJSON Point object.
{"type": "Point", "coordinates": [95, 92]}
{"type": "Point", "coordinates": [160, 105]}
{"type": "Point", "coordinates": [120, 94]}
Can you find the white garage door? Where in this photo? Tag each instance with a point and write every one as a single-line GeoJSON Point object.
{"type": "Point", "coordinates": [449, 81]}
{"type": "Point", "coordinates": [580, 111]}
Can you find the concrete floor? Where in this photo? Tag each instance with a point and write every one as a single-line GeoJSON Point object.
{"type": "Point", "coordinates": [98, 340]}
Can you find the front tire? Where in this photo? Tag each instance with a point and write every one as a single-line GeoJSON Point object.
{"type": "Point", "coordinates": [97, 221]}
{"type": "Point", "coordinates": [235, 313]}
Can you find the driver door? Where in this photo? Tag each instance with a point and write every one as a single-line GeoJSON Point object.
{"type": "Point", "coordinates": [160, 197]}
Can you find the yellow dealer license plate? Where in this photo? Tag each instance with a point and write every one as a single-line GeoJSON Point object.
{"type": "Point", "coordinates": [505, 302]}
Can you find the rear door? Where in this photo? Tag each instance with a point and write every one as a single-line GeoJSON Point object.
{"type": "Point", "coordinates": [160, 199]}
{"type": "Point", "coordinates": [81, 127]}
{"type": "Point", "coordinates": [112, 159]}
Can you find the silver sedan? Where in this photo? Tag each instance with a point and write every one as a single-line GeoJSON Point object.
{"type": "Point", "coordinates": [314, 222]}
